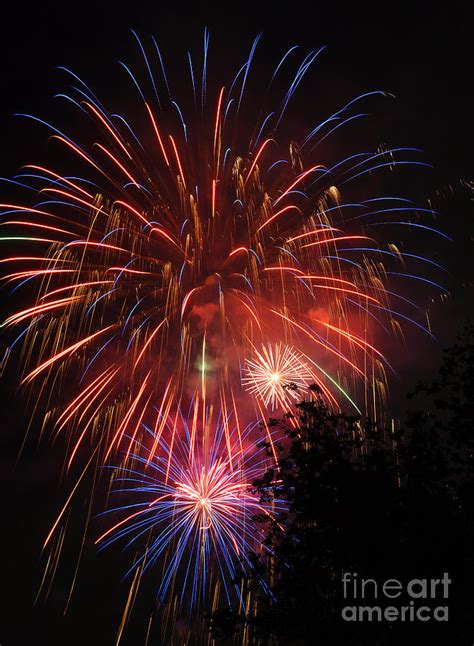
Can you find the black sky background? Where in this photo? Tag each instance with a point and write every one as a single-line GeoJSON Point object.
{"type": "Point", "coordinates": [420, 54]}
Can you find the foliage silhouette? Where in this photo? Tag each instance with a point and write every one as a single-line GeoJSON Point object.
{"type": "Point", "coordinates": [377, 503]}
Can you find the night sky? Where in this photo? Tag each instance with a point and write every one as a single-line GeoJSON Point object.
{"type": "Point", "coordinates": [421, 55]}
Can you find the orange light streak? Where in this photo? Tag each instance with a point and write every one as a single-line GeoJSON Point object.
{"type": "Point", "coordinates": [63, 353]}
{"type": "Point", "coordinates": [157, 133]}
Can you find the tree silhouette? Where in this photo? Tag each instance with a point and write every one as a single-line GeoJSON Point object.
{"type": "Point", "coordinates": [381, 504]}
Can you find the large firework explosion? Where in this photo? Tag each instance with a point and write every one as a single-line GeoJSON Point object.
{"type": "Point", "coordinates": [203, 263]}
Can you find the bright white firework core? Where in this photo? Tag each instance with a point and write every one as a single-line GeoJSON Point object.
{"type": "Point", "coordinates": [268, 372]}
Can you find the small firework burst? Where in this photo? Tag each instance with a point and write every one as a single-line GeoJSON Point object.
{"type": "Point", "coordinates": [197, 505]}
{"type": "Point", "coordinates": [277, 375]}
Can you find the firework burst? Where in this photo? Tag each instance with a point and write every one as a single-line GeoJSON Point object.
{"type": "Point", "coordinates": [201, 259]}
{"type": "Point", "coordinates": [277, 375]}
{"type": "Point", "coordinates": [195, 505]}
{"type": "Point", "coordinates": [183, 250]}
